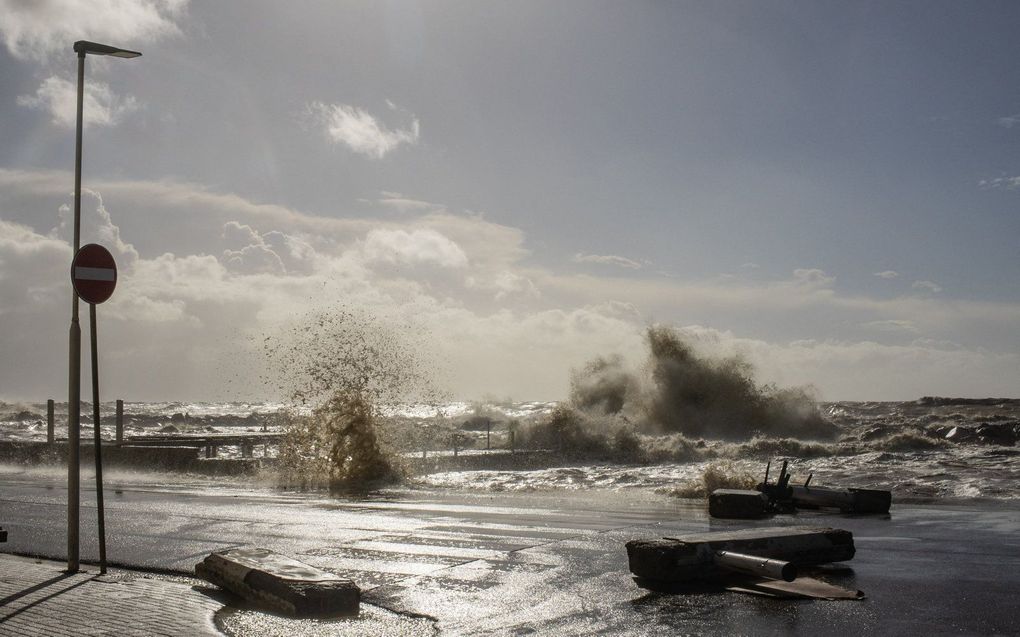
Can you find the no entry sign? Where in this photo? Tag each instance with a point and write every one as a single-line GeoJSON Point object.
{"type": "Point", "coordinates": [93, 273]}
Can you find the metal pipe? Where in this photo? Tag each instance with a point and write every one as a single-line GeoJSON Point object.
{"type": "Point", "coordinates": [755, 565]}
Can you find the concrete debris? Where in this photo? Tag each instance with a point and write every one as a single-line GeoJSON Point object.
{"type": "Point", "coordinates": [280, 583]}
{"type": "Point", "coordinates": [781, 497]}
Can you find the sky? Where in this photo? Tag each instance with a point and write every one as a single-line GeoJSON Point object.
{"type": "Point", "coordinates": [830, 190]}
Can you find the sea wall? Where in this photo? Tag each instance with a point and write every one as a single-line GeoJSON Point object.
{"type": "Point", "coordinates": [181, 459]}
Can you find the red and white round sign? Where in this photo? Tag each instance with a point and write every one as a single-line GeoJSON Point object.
{"type": "Point", "coordinates": [93, 273]}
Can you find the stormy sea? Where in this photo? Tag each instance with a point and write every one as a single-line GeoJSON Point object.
{"type": "Point", "coordinates": [924, 450]}
{"type": "Point", "coordinates": [679, 424]}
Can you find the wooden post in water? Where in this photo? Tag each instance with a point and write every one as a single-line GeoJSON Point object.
{"type": "Point", "coordinates": [49, 421]}
{"type": "Point", "coordinates": [120, 421]}
{"type": "Point", "coordinates": [488, 433]}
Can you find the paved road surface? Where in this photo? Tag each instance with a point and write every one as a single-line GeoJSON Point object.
{"type": "Point", "coordinates": [547, 564]}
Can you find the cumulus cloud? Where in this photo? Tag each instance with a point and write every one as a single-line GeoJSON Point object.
{"type": "Point", "coordinates": [503, 325]}
{"type": "Point", "coordinates": [887, 274]}
{"type": "Point", "coordinates": [254, 256]}
{"type": "Point", "coordinates": [43, 32]}
{"type": "Point", "coordinates": [927, 286]}
{"type": "Point", "coordinates": [32, 269]}
{"type": "Point", "coordinates": [607, 259]}
{"type": "Point", "coordinates": [361, 131]}
{"type": "Point", "coordinates": [251, 252]}
{"type": "Point", "coordinates": [415, 247]}
{"type": "Point", "coordinates": [812, 278]}
{"type": "Point", "coordinates": [97, 226]}
{"type": "Point", "coordinates": [505, 284]}
{"type": "Point", "coordinates": [40, 28]}
{"type": "Point", "coordinates": [59, 97]}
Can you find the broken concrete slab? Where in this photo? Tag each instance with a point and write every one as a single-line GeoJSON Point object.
{"type": "Point", "coordinates": [281, 583]}
{"type": "Point", "coordinates": [848, 500]}
{"type": "Point", "coordinates": [692, 557]}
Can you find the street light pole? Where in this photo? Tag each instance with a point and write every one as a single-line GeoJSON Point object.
{"type": "Point", "coordinates": [82, 48]}
{"type": "Point", "coordinates": [74, 380]}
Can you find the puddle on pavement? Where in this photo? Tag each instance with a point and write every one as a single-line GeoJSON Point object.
{"type": "Point", "coordinates": [372, 621]}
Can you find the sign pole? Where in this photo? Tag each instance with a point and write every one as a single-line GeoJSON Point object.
{"type": "Point", "coordinates": [99, 441]}
{"type": "Point", "coordinates": [94, 277]}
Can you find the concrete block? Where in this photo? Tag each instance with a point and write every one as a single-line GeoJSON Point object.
{"type": "Point", "coordinates": [737, 503]}
{"type": "Point", "coordinates": [280, 583]}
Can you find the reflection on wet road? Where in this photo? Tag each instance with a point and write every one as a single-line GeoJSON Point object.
{"type": "Point", "coordinates": [545, 564]}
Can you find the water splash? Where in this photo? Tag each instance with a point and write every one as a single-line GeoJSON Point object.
{"type": "Point", "coordinates": [345, 364]}
{"type": "Point", "coordinates": [681, 391]}
{"type": "Point", "coordinates": [717, 475]}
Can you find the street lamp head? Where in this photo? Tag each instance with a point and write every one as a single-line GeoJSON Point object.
{"type": "Point", "coordinates": [81, 47]}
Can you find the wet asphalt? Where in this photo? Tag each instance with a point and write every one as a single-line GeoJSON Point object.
{"type": "Point", "coordinates": [548, 563]}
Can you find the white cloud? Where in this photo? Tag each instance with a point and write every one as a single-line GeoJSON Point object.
{"type": "Point", "coordinates": [359, 130]}
{"type": "Point", "coordinates": [927, 286]}
{"type": "Point", "coordinates": [59, 97]}
{"type": "Point", "coordinates": [1004, 183]}
{"type": "Point", "coordinates": [607, 259]}
{"type": "Point", "coordinates": [96, 227]}
{"type": "Point", "coordinates": [887, 274]}
{"type": "Point", "coordinates": [254, 259]}
{"type": "Point", "coordinates": [812, 278]}
{"type": "Point", "coordinates": [1009, 121]}
{"type": "Point", "coordinates": [891, 325]}
{"type": "Point", "coordinates": [424, 246]}
{"type": "Point", "coordinates": [275, 252]}
{"type": "Point", "coordinates": [36, 29]}
{"type": "Point", "coordinates": [400, 203]}
{"type": "Point", "coordinates": [32, 269]}
{"type": "Point", "coordinates": [503, 325]}
{"type": "Point", "coordinates": [505, 284]}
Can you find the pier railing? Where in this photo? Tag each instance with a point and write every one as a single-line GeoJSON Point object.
{"type": "Point", "coordinates": [210, 442]}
